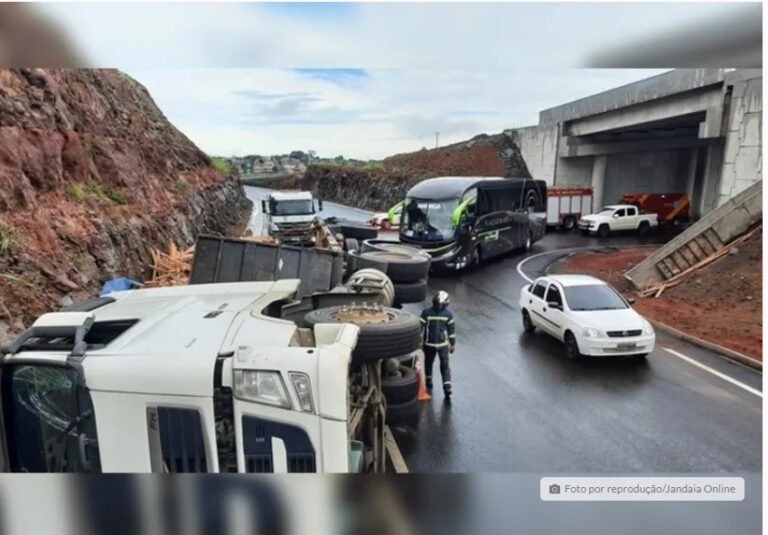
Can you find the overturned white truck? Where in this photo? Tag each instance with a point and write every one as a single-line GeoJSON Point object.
{"type": "Point", "coordinates": [262, 376]}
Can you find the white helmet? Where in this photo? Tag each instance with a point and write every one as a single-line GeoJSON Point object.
{"type": "Point", "coordinates": [441, 299]}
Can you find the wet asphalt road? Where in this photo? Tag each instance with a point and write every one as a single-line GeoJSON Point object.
{"type": "Point", "coordinates": [520, 406]}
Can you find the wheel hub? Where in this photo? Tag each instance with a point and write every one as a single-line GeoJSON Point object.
{"type": "Point", "coordinates": [362, 314]}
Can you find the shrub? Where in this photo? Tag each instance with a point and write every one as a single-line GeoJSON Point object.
{"type": "Point", "coordinates": [76, 191]}
{"type": "Point", "coordinates": [220, 164]}
{"type": "Point", "coordinates": [182, 185]}
{"type": "Point", "coordinates": [9, 237]}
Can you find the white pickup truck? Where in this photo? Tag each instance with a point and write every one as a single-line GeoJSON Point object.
{"type": "Point", "coordinates": [616, 217]}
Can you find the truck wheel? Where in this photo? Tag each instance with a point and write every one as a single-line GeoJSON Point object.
{"type": "Point", "coordinates": [603, 230]}
{"type": "Point", "coordinates": [569, 223]}
{"type": "Point", "coordinates": [643, 229]}
{"type": "Point", "coordinates": [356, 261]}
{"type": "Point", "coordinates": [392, 247]}
{"type": "Point", "coordinates": [384, 332]}
{"type": "Point", "coordinates": [527, 323]}
{"type": "Point", "coordinates": [358, 281]}
{"type": "Point", "coordinates": [403, 414]}
{"type": "Point", "coordinates": [400, 388]}
{"type": "Point", "coordinates": [571, 347]}
{"type": "Point", "coordinates": [410, 292]}
{"type": "Point", "coordinates": [351, 244]}
{"type": "Point", "coordinates": [359, 232]}
{"type": "Point", "coordinates": [402, 267]}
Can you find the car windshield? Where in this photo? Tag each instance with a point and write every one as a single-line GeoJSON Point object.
{"type": "Point", "coordinates": [429, 220]}
{"type": "Point", "coordinates": [593, 297]}
{"type": "Point", "coordinates": [606, 211]}
{"type": "Point", "coordinates": [294, 207]}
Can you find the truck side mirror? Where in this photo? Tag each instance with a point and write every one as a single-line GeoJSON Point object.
{"type": "Point", "coordinates": [264, 206]}
{"type": "Point", "coordinates": [319, 205]}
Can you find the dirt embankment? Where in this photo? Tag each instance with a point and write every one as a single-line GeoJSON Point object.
{"type": "Point", "coordinates": [92, 176]}
{"type": "Point", "coordinates": [721, 303]}
{"type": "Point", "coordinates": [378, 187]}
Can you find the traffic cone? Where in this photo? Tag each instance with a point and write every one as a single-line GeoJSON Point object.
{"type": "Point", "coordinates": [423, 395]}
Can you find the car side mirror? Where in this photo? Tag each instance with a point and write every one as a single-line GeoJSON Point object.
{"type": "Point", "coordinates": [615, 215]}
{"type": "Point", "coordinates": [631, 300]}
{"type": "Point", "coordinates": [556, 306]}
{"type": "Point", "coordinates": [264, 206]}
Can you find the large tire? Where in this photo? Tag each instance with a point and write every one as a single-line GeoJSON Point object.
{"type": "Point", "coordinates": [392, 247]}
{"type": "Point", "coordinates": [359, 232]}
{"type": "Point", "coordinates": [410, 292]}
{"type": "Point", "coordinates": [401, 388]}
{"type": "Point", "coordinates": [401, 267]}
{"type": "Point", "coordinates": [399, 335]}
{"type": "Point", "coordinates": [403, 414]}
{"type": "Point", "coordinates": [356, 261]}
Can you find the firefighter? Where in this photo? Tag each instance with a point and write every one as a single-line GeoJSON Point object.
{"type": "Point", "coordinates": [439, 339]}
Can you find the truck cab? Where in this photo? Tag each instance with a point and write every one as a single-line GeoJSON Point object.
{"type": "Point", "coordinates": [194, 378]}
{"type": "Point", "coordinates": [290, 214]}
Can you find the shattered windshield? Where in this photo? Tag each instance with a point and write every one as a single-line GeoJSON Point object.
{"type": "Point", "coordinates": [41, 418]}
{"type": "Point", "coordinates": [429, 220]}
{"type": "Point", "coordinates": [297, 207]}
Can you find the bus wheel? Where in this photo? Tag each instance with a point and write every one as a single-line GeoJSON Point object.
{"type": "Point", "coordinates": [477, 257]}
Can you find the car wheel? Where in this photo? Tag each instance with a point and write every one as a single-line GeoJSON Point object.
{"type": "Point", "coordinates": [402, 267]}
{"type": "Point", "coordinates": [410, 292]}
{"type": "Point", "coordinates": [384, 332]}
{"type": "Point", "coordinates": [603, 231]}
{"type": "Point", "coordinates": [643, 229]}
{"type": "Point", "coordinates": [571, 347]}
{"type": "Point", "coordinates": [527, 323]}
{"type": "Point", "coordinates": [569, 223]}
{"type": "Point", "coordinates": [400, 388]}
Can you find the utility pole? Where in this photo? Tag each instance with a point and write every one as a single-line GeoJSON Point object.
{"type": "Point", "coordinates": [437, 138]}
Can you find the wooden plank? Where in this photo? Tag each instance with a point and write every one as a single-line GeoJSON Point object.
{"type": "Point", "coordinates": [395, 456]}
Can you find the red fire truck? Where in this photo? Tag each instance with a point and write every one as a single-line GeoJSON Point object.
{"type": "Point", "coordinates": [566, 205]}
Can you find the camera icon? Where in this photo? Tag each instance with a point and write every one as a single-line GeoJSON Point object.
{"type": "Point", "coordinates": [554, 488]}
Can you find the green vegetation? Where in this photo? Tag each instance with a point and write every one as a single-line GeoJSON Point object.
{"type": "Point", "coordinates": [10, 237]}
{"type": "Point", "coordinates": [220, 164]}
{"type": "Point", "coordinates": [79, 190]}
{"type": "Point", "coordinates": [182, 185]}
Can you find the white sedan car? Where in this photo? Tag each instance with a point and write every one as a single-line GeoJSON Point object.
{"type": "Point", "coordinates": [589, 316]}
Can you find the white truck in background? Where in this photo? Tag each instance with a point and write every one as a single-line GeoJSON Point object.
{"type": "Point", "coordinates": [618, 217]}
{"type": "Point", "coordinates": [290, 214]}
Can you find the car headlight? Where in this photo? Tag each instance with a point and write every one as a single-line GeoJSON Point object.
{"type": "Point", "coordinates": [303, 389]}
{"type": "Point", "coordinates": [261, 386]}
{"type": "Point", "coordinates": [647, 328]}
{"type": "Point", "coordinates": [590, 332]}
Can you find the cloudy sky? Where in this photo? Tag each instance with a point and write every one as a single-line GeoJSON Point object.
{"type": "Point", "coordinates": [364, 79]}
{"type": "Point", "coordinates": [360, 113]}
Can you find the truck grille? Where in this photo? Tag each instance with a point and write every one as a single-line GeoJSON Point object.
{"type": "Point", "coordinates": [257, 446]}
{"type": "Point", "coordinates": [181, 439]}
{"type": "Point", "coordinates": [625, 334]}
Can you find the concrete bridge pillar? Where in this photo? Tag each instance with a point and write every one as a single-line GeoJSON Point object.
{"type": "Point", "coordinates": [599, 164]}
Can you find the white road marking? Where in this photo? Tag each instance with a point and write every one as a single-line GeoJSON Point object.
{"type": "Point", "coordinates": [677, 354]}
{"type": "Point", "coordinates": [714, 372]}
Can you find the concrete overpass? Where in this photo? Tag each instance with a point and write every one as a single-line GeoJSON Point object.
{"type": "Point", "coordinates": [691, 130]}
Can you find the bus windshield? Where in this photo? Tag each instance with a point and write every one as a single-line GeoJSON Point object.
{"type": "Point", "coordinates": [429, 220]}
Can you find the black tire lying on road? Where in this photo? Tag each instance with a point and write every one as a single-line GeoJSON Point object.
{"type": "Point", "coordinates": [400, 388]}
{"type": "Point", "coordinates": [356, 261]}
{"type": "Point", "coordinates": [410, 292]}
{"type": "Point", "coordinates": [359, 232]}
{"type": "Point", "coordinates": [403, 414]}
{"type": "Point", "coordinates": [392, 247]}
{"type": "Point", "coordinates": [401, 267]}
{"type": "Point", "coordinates": [399, 334]}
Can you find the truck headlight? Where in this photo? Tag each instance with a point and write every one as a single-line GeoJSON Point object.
{"type": "Point", "coordinates": [590, 332]}
{"type": "Point", "coordinates": [303, 389]}
{"type": "Point", "coordinates": [261, 386]}
{"type": "Point", "coordinates": [647, 328]}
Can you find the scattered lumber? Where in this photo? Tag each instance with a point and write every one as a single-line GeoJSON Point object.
{"type": "Point", "coordinates": [171, 268]}
{"type": "Point", "coordinates": [657, 289]}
